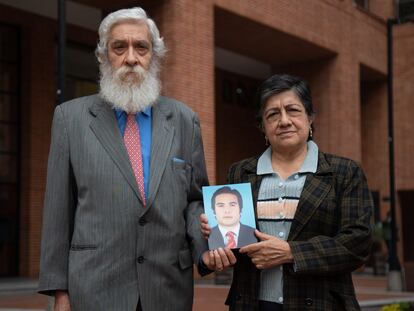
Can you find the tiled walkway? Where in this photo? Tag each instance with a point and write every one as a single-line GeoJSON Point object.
{"type": "Point", "coordinates": [18, 295]}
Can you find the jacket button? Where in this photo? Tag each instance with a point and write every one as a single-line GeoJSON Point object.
{"type": "Point", "coordinates": [308, 302]}
{"type": "Point", "coordinates": [238, 297]}
{"type": "Point", "coordinates": [140, 259]}
{"type": "Point", "coordinates": [142, 221]}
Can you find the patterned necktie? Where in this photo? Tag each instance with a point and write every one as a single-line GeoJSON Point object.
{"type": "Point", "coordinates": [231, 242]}
{"type": "Point", "coordinates": [133, 145]}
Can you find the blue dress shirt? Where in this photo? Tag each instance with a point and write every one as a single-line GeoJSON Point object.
{"type": "Point", "coordinates": [144, 120]}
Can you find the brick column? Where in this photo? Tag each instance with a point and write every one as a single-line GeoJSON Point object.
{"type": "Point", "coordinates": [403, 105]}
{"type": "Point", "coordinates": [339, 108]}
{"type": "Point", "coordinates": [188, 73]}
{"type": "Point", "coordinates": [403, 133]}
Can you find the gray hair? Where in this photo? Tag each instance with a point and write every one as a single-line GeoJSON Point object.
{"type": "Point", "coordinates": [134, 14]}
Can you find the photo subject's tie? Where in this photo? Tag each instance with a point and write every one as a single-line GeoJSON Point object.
{"type": "Point", "coordinates": [231, 242]}
{"type": "Point", "coordinates": [133, 145]}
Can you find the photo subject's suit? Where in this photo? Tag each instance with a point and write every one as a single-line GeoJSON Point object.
{"type": "Point", "coordinates": [99, 242]}
{"type": "Point", "coordinates": [246, 237]}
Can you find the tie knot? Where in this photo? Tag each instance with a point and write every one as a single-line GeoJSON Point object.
{"type": "Point", "coordinates": [230, 234]}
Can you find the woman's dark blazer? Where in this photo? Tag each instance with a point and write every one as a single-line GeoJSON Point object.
{"type": "Point", "coordinates": [330, 237]}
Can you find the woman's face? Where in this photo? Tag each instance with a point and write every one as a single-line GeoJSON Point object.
{"type": "Point", "coordinates": [285, 122]}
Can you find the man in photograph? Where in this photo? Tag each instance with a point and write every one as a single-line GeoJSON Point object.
{"type": "Point", "coordinates": [227, 205]}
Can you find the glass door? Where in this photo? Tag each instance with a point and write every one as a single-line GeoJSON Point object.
{"type": "Point", "coordinates": [9, 148]}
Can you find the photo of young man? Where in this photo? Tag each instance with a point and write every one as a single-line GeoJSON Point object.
{"type": "Point", "coordinates": [227, 205]}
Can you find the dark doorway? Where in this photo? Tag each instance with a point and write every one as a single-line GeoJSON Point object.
{"type": "Point", "coordinates": [407, 216]}
{"type": "Point", "coordinates": [237, 136]}
{"type": "Point", "coordinates": [9, 148]}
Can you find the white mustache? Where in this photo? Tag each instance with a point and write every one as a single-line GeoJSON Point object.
{"type": "Point", "coordinates": [124, 72]}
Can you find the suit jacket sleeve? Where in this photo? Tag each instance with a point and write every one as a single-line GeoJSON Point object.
{"type": "Point", "coordinates": [58, 211]}
{"type": "Point", "coordinates": [195, 197]}
{"type": "Point", "coordinates": [350, 246]}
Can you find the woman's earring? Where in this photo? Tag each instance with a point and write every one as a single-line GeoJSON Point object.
{"type": "Point", "coordinates": [267, 141]}
{"type": "Point", "coordinates": [310, 133]}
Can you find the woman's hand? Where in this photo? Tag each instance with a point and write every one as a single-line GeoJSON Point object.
{"type": "Point", "coordinates": [205, 228]}
{"type": "Point", "coordinates": [269, 252]}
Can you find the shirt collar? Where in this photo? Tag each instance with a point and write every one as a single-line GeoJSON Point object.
{"type": "Point", "coordinates": [235, 231]}
{"type": "Point", "coordinates": [119, 112]}
{"type": "Point", "coordinates": [264, 164]}
{"type": "Point", "coordinates": [311, 161]}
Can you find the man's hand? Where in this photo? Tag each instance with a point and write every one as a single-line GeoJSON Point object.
{"type": "Point", "coordinates": [62, 302]}
{"type": "Point", "coordinates": [219, 259]}
{"type": "Point", "coordinates": [205, 228]}
{"type": "Point", "coordinates": [269, 252]}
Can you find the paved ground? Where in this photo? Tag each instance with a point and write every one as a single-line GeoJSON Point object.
{"type": "Point", "coordinates": [19, 295]}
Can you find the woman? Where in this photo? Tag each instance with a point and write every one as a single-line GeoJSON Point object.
{"type": "Point", "coordinates": [313, 211]}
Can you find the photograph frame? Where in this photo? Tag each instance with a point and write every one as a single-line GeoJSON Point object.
{"type": "Point", "coordinates": [247, 219]}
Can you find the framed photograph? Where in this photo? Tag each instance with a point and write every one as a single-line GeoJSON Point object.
{"type": "Point", "coordinates": [230, 213]}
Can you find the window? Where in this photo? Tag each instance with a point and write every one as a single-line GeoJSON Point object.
{"type": "Point", "coordinates": [81, 71]}
{"type": "Point", "coordinates": [362, 3]}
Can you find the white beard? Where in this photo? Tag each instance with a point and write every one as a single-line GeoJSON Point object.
{"type": "Point", "coordinates": [131, 89]}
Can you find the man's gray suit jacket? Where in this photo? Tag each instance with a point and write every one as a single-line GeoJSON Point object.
{"type": "Point", "coordinates": [99, 242]}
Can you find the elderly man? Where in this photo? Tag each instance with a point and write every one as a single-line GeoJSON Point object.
{"type": "Point", "coordinates": [120, 224]}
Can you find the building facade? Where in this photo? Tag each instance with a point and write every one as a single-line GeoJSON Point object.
{"type": "Point", "coordinates": [219, 51]}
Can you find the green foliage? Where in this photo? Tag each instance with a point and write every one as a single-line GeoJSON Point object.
{"type": "Point", "coordinates": [402, 306]}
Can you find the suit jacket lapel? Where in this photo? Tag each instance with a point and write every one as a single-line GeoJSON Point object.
{"type": "Point", "coordinates": [316, 187]}
{"type": "Point", "coordinates": [106, 130]}
{"type": "Point", "coordinates": [217, 237]}
{"type": "Point", "coordinates": [162, 137]}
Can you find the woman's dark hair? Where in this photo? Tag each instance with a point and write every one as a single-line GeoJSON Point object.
{"type": "Point", "coordinates": [281, 83]}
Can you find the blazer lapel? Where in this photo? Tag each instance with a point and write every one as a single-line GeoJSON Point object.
{"type": "Point", "coordinates": [162, 137]}
{"type": "Point", "coordinates": [316, 187]}
{"type": "Point", "coordinates": [106, 130]}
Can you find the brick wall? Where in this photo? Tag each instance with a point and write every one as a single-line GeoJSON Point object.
{"type": "Point", "coordinates": [403, 104]}
{"type": "Point", "coordinates": [349, 36]}
{"type": "Point", "coordinates": [37, 87]}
